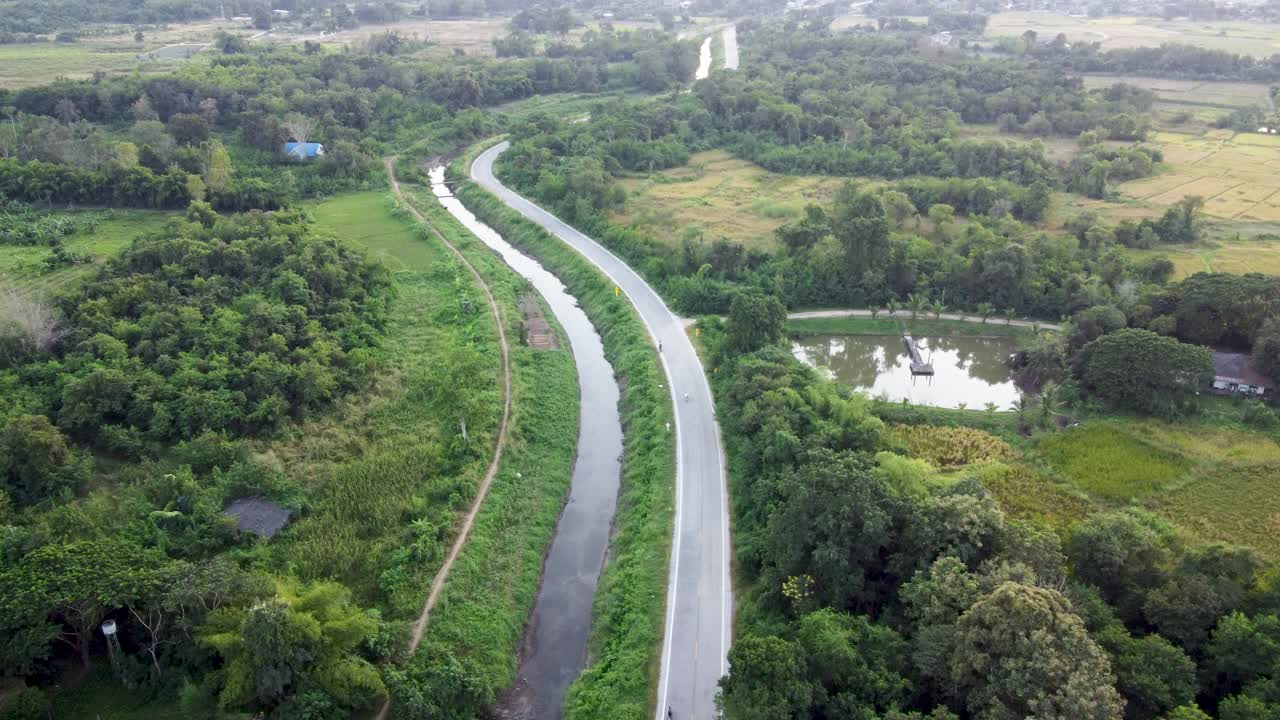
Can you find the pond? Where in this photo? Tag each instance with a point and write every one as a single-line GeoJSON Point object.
{"type": "Point", "coordinates": [969, 370]}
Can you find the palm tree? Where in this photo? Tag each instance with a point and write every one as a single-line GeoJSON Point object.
{"type": "Point", "coordinates": [917, 303]}
{"type": "Point", "coordinates": [1008, 316]}
{"type": "Point", "coordinates": [1051, 401]}
{"type": "Point", "coordinates": [937, 308]}
{"type": "Point", "coordinates": [991, 408]}
{"type": "Point", "coordinates": [1022, 405]}
{"type": "Point", "coordinates": [961, 405]}
{"type": "Point", "coordinates": [986, 310]}
{"type": "Point", "coordinates": [875, 310]}
{"type": "Point", "coordinates": [893, 306]}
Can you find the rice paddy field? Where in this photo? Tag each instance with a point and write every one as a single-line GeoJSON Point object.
{"type": "Point", "coordinates": [721, 196]}
{"type": "Point", "coordinates": [1237, 174]}
{"type": "Point", "coordinates": [1250, 38]}
{"type": "Point", "coordinates": [1214, 484]}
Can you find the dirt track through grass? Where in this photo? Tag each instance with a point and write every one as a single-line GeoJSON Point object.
{"type": "Point", "coordinates": [437, 584]}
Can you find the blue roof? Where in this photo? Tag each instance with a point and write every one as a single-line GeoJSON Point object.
{"type": "Point", "coordinates": [310, 150]}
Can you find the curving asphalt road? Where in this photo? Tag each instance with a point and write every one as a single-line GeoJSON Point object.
{"type": "Point", "coordinates": [699, 596]}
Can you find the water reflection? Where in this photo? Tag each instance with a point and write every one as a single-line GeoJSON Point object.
{"type": "Point", "coordinates": [966, 369]}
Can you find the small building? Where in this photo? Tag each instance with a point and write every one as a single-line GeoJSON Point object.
{"type": "Point", "coordinates": [258, 516]}
{"type": "Point", "coordinates": [1233, 376]}
{"type": "Point", "coordinates": [303, 151]}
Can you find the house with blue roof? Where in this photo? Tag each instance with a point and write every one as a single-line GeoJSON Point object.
{"type": "Point", "coordinates": [303, 151]}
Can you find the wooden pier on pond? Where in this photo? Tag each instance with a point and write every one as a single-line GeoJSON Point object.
{"type": "Point", "coordinates": [918, 364]}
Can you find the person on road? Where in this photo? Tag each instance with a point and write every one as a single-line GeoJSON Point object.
{"type": "Point", "coordinates": [669, 716]}
{"type": "Point", "coordinates": [659, 346]}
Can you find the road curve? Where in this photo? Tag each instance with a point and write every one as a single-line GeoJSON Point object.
{"type": "Point", "coordinates": [699, 613]}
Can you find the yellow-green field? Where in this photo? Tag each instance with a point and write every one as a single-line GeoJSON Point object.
{"type": "Point", "coordinates": [1238, 174]}
{"type": "Point", "coordinates": [161, 50]}
{"type": "Point", "coordinates": [1213, 484]}
{"type": "Point", "coordinates": [723, 197]}
{"type": "Point", "coordinates": [1189, 92]}
{"type": "Point", "coordinates": [1250, 38]}
{"type": "Point", "coordinates": [1233, 256]}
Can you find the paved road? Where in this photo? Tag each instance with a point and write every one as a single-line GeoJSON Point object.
{"type": "Point", "coordinates": [699, 598]}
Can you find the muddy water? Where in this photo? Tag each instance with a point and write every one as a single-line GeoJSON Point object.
{"type": "Point", "coordinates": [968, 370]}
{"type": "Point", "coordinates": [554, 648]}
{"type": "Point", "coordinates": [704, 60]}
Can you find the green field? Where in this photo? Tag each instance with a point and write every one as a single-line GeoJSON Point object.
{"type": "Point", "coordinates": [20, 266]}
{"type": "Point", "coordinates": [721, 196]}
{"type": "Point", "coordinates": [1249, 38]}
{"type": "Point", "coordinates": [1212, 483]}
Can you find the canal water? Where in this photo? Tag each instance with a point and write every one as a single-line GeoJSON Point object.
{"type": "Point", "coordinates": [967, 370]}
{"type": "Point", "coordinates": [704, 60]}
{"type": "Point", "coordinates": [554, 649]}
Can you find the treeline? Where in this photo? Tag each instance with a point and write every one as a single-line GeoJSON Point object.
{"type": "Point", "coordinates": [1169, 60]}
{"type": "Point", "coordinates": [880, 588]}
{"type": "Point", "coordinates": [224, 124]}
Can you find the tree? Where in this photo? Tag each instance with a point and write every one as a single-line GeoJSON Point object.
{"type": "Point", "coordinates": [218, 168]}
{"type": "Point", "coordinates": [188, 128]}
{"type": "Point", "coordinates": [298, 126]}
{"type": "Point", "coordinates": [1152, 674]}
{"type": "Point", "coordinates": [1021, 652]}
{"type": "Point", "coordinates": [1141, 370]}
{"type": "Point", "coordinates": [766, 681]}
{"type": "Point", "coordinates": [856, 667]}
{"type": "Point", "coordinates": [301, 637]}
{"type": "Point", "coordinates": [755, 321]}
{"type": "Point", "coordinates": [860, 223]}
{"type": "Point", "coordinates": [800, 237]}
{"type": "Point", "coordinates": [1265, 357]}
{"type": "Point", "coordinates": [1121, 553]}
{"type": "Point", "coordinates": [35, 462]}
{"type": "Point", "coordinates": [262, 16]}
{"type": "Point", "coordinates": [986, 310]}
{"type": "Point", "coordinates": [75, 585]}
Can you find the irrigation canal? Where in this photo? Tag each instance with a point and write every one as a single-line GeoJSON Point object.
{"type": "Point", "coordinates": [554, 649]}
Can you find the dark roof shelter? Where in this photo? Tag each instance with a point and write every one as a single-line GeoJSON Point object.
{"type": "Point", "coordinates": [1234, 367]}
{"type": "Point", "coordinates": [258, 515]}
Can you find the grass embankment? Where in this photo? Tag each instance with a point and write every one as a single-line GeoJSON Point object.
{"type": "Point", "coordinates": [21, 266]}
{"type": "Point", "coordinates": [484, 605]}
{"type": "Point", "coordinates": [924, 327]}
{"type": "Point", "coordinates": [622, 672]}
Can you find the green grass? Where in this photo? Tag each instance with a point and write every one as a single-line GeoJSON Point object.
{"type": "Point", "coordinates": [891, 326]}
{"type": "Point", "coordinates": [490, 592]}
{"type": "Point", "coordinates": [365, 219]}
{"type": "Point", "coordinates": [1229, 504]}
{"type": "Point", "coordinates": [29, 65]}
{"type": "Point", "coordinates": [20, 266]}
{"type": "Point", "coordinates": [621, 676]}
{"type": "Point", "coordinates": [1103, 460]}
{"type": "Point", "coordinates": [386, 472]}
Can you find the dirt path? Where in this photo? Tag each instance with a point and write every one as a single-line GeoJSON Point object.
{"type": "Point", "coordinates": [437, 584]}
{"type": "Point", "coordinates": [906, 313]}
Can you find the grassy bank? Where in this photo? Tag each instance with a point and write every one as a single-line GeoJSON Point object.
{"type": "Point", "coordinates": [622, 671]}
{"type": "Point", "coordinates": [22, 266]}
{"type": "Point", "coordinates": [478, 621]}
{"type": "Point", "coordinates": [892, 326]}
